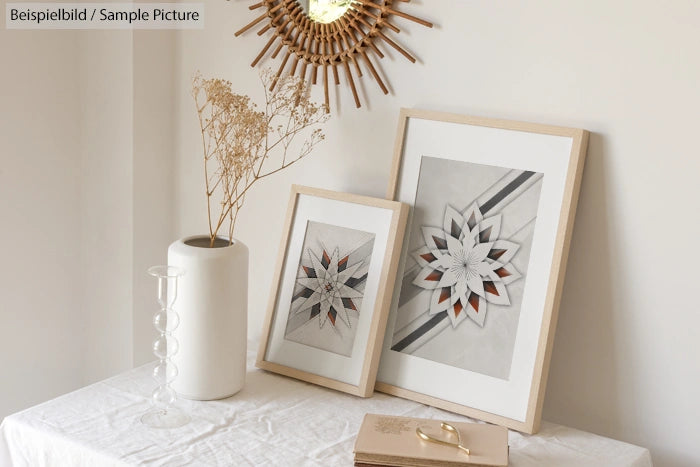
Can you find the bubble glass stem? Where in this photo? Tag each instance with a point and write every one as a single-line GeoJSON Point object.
{"type": "Point", "coordinates": [164, 413]}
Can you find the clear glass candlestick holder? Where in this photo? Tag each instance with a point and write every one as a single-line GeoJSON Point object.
{"type": "Point", "coordinates": [164, 413]}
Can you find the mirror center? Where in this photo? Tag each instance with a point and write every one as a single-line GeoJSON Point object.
{"type": "Point", "coordinates": [325, 11]}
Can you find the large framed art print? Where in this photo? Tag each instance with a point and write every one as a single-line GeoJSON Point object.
{"type": "Point", "coordinates": [333, 288]}
{"type": "Point", "coordinates": [480, 278]}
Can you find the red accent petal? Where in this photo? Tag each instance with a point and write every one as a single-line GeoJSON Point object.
{"type": "Point", "coordinates": [444, 294]}
{"type": "Point", "coordinates": [343, 261]}
{"type": "Point", "coordinates": [331, 317]}
{"type": "Point", "coordinates": [429, 257]}
{"type": "Point", "coordinates": [502, 272]}
{"type": "Point", "coordinates": [326, 257]}
{"type": "Point", "coordinates": [490, 288]}
{"type": "Point", "coordinates": [434, 276]}
{"type": "Point", "coordinates": [474, 301]}
{"type": "Point", "coordinates": [495, 254]}
{"type": "Point", "coordinates": [458, 308]}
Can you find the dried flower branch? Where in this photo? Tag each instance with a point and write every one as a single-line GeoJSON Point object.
{"type": "Point", "coordinates": [238, 140]}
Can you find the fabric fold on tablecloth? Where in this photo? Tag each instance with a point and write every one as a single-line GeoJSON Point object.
{"type": "Point", "coordinates": [274, 420]}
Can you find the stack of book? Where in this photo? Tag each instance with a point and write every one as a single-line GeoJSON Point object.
{"type": "Point", "coordinates": [385, 440]}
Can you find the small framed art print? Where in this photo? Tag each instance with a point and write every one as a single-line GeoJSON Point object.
{"type": "Point", "coordinates": [483, 262]}
{"type": "Point", "coordinates": [332, 289]}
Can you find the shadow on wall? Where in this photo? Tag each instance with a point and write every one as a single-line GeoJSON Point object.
{"type": "Point", "coordinates": [583, 389]}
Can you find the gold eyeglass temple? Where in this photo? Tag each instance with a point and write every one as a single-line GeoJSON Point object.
{"type": "Point", "coordinates": [446, 427]}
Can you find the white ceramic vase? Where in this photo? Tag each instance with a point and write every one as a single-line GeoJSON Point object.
{"type": "Point", "coordinates": [212, 300]}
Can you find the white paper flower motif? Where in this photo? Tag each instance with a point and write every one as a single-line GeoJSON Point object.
{"type": "Point", "coordinates": [466, 265]}
{"type": "Point", "coordinates": [329, 288]}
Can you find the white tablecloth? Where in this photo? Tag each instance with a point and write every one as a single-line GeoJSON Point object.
{"type": "Point", "coordinates": [274, 420]}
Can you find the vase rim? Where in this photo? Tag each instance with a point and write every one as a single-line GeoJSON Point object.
{"type": "Point", "coordinates": [202, 242]}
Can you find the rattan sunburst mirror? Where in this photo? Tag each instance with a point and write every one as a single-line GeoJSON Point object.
{"type": "Point", "coordinates": [329, 34]}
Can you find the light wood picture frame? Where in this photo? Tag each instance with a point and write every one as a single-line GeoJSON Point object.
{"type": "Point", "coordinates": [480, 279]}
{"type": "Point", "coordinates": [332, 289]}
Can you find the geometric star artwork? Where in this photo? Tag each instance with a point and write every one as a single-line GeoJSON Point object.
{"type": "Point", "coordinates": [330, 283]}
{"type": "Point", "coordinates": [469, 244]}
{"type": "Point", "coordinates": [329, 288]}
{"type": "Point", "coordinates": [466, 265]}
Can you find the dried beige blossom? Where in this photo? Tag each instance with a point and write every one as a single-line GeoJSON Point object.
{"type": "Point", "coordinates": [239, 140]}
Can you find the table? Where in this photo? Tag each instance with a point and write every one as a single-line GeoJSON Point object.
{"type": "Point", "coordinates": [274, 420]}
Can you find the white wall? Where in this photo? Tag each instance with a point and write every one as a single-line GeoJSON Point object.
{"type": "Point", "coordinates": [107, 168]}
{"type": "Point", "coordinates": [40, 356]}
{"type": "Point", "coordinates": [624, 361]}
{"type": "Point", "coordinates": [85, 185]}
{"type": "Point", "coordinates": [153, 175]}
{"type": "Point", "coordinates": [65, 185]}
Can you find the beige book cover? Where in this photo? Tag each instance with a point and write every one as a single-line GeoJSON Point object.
{"type": "Point", "coordinates": [393, 441]}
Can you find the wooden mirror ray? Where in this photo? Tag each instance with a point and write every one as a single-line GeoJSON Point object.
{"type": "Point", "coordinates": [343, 44]}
